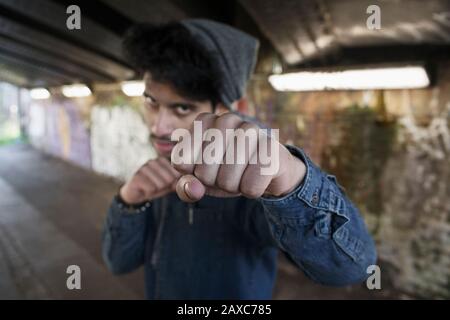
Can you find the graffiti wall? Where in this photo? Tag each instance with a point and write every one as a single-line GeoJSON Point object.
{"type": "Point", "coordinates": [391, 152]}
{"type": "Point", "coordinates": [107, 135]}
{"type": "Point", "coordinates": [119, 141]}
{"type": "Point", "coordinates": [57, 126]}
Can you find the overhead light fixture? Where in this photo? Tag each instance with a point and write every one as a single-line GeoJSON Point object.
{"type": "Point", "coordinates": [406, 77]}
{"type": "Point", "coordinates": [133, 88]}
{"type": "Point", "coordinates": [76, 91]}
{"type": "Point", "coordinates": [39, 93]}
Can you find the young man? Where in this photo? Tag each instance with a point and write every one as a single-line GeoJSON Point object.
{"type": "Point", "coordinates": [208, 231]}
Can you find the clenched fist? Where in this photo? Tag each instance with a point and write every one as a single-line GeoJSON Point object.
{"type": "Point", "coordinates": [241, 171]}
{"type": "Point", "coordinates": [154, 179]}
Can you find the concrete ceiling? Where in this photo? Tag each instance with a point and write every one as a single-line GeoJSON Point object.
{"type": "Point", "coordinates": [327, 31]}
{"type": "Point", "coordinates": [36, 48]}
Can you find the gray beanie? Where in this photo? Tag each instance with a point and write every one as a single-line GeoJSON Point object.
{"type": "Point", "coordinates": [236, 54]}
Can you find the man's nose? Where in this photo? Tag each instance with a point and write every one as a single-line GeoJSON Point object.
{"type": "Point", "coordinates": [162, 124]}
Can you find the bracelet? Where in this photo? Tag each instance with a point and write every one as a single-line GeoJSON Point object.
{"type": "Point", "coordinates": [132, 208]}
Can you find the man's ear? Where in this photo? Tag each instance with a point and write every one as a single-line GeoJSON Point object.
{"type": "Point", "coordinates": [241, 105]}
{"type": "Point", "coordinates": [220, 109]}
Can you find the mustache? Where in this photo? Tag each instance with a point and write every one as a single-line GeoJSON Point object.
{"type": "Point", "coordinates": [161, 138]}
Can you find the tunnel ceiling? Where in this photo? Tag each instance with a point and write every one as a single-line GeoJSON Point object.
{"type": "Point", "coordinates": [335, 31]}
{"type": "Point", "coordinates": [37, 49]}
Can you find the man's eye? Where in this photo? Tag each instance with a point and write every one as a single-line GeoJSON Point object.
{"type": "Point", "coordinates": [150, 103]}
{"type": "Point", "coordinates": [182, 109]}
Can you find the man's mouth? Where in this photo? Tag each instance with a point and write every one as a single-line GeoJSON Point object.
{"type": "Point", "coordinates": [163, 146]}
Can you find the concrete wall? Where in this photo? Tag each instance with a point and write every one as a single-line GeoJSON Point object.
{"type": "Point", "coordinates": [390, 150]}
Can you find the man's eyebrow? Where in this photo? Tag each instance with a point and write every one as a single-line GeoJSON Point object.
{"type": "Point", "coordinates": [147, 95]}
{"type": "Point", "coordinates": [174, 105]}
{"type": "Point", "coordinates": [171, 105]}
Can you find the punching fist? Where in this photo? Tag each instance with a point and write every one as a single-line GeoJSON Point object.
{"type": "Point", "coordinates": [218, 165]}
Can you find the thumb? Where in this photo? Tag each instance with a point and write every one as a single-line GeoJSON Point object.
{"type": "Point", "coordinates": [190, 189]}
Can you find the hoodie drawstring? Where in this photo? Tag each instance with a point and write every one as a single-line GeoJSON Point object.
{"type": "Point", "coordinates": [191, 213]}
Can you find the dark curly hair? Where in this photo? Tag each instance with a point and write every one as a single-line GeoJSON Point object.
{"type": "Point", "coordinates": [174, 57]}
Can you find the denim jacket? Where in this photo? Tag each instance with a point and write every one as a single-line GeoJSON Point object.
{"type": "Point", "coordinates": [226, 248]}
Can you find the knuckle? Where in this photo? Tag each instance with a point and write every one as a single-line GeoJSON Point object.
{"type": "Point", "coordinates": [161, 161]}
{"type": "Point", "coordinates": [245, 125]}
{"type": "Point", "coordinates": [183, 168]}
{"type": "Point", "coordinates": [202, 174]}
{"type": "Point", "coordinates": [250, 191]}
{"type": "Point", "coordinates": [140, 172]}
{"type": "Point", "coordinates": [227, 120]}
{"type": "Point", "coordinates": [226, 185]}
{"type": "Point", "coordinates": [204, 115]}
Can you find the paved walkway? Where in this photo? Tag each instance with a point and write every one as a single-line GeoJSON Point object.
{"type": "Point", "coordinates": [51, 216]}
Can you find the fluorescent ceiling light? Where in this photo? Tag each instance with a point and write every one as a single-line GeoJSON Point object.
{"type": "Point", "coordinates": [39, 93]}
{"type": "Point", "coordinates": [133, 88]}
{"type": "Point", "coordinates": [76, 91]}
{"type": "Point", "coordinates": [408, 77]}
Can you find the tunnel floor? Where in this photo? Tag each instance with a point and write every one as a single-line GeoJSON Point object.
{"type": "Point", "coordinates": [51, 216]}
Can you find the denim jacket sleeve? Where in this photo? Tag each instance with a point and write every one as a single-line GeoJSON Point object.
{"type": "Point", "coordinates": [123, 238]}
{"type": "Point", "coordinates": [321, 229]}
